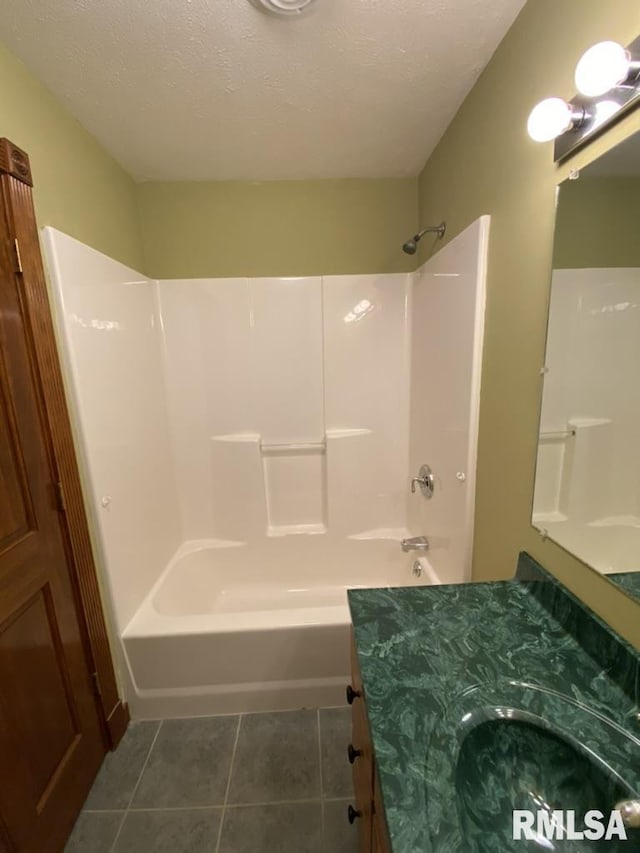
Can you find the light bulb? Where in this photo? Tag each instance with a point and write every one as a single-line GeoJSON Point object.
{"type": "Point", "coordinates": [549, 119]}
{"type": "Point", "coordinates": [603, 67]}
{"type": "Point", "coordinates": [603, 111]}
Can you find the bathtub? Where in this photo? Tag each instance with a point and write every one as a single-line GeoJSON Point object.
{"type": "Point", "coordinates": [232, 626]}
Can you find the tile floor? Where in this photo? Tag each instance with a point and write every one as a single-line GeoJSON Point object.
{"type": "Point", "coordinates": [253, 783]}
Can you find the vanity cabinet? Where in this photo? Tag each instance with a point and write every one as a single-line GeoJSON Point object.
{"type": "Point", "coordinates": [367, 809]}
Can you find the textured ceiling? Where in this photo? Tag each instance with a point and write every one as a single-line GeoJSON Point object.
{"type": "Point", "coordinates": [216, 90]}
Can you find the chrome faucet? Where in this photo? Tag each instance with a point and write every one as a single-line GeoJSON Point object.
{"type": "Point", "coordinates": [630, 813]}
{"type": "Point", "coordinates": [415, 543]}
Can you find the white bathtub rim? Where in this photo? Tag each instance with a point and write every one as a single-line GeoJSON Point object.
{"type": "Point", "coordinates": [149, 623]}
{"type": "Point", "coordinates": [191, 546]}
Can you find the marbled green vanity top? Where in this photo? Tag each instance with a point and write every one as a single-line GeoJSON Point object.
{"type": "Point", "coordinates": [422, 650]}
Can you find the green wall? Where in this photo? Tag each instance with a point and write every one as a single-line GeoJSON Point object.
{"type": "Point", "coordinates": [485, 163]}
{"type": "Point", "coordinates": [597, 223]}
{"type": "Point", "coordinates": [277, 228]}
{"type": "Point", "coordinates": [78, 187]}
{"type": "Point", "coordinates": [200, 229]}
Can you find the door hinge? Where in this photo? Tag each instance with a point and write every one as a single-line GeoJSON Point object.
{"type": "Point", "coordinates": [16, 248]}
{"type": "Point", "coordinates": [61, 503]}
{"type": "Point", "coordinates": [95, 681]}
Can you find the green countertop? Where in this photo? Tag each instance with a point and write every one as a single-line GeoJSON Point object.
{"type": "Point", "coordinates": [427, 653]}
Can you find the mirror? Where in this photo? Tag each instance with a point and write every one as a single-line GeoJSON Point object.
{"type": "Point", "coordinates": [587, 488]}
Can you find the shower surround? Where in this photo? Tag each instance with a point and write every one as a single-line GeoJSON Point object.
{"type": "Point", "coordinates": [246, 448]}
{"type": "Point", "coordinates": [288, 403]}
{"type": "Point", "coordinates": [587, 495]}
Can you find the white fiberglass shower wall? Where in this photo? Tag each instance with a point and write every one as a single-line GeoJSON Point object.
{"type": "Point", "coordinates": [446, 363]}
{"type": "Point", "coordinates": [246, 447]}
{"type": "Point", "coordinates": [284, 404]}
{"type": "Point", "coordinates": [112, 359]}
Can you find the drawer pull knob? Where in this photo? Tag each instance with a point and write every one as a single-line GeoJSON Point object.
{"type": "Point", "coordinates": [353, 753]}
{"type": "Point", "coordinates": [352, 814]}
{"type": "Point", "coordinates": [352, 694]}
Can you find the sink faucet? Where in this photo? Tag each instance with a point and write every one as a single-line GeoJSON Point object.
{"type": "Point", "coordinates": [415, 543]}
{"type": "Point", "coordinates": [630, 813]}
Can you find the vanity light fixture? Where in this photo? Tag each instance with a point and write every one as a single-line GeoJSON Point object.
{"type": "Point", "coordinates": [608, 81]}
{"type": "Point", "coordinates": [282, 7]}
{"type": "Point", "coordinates": [605, 66]}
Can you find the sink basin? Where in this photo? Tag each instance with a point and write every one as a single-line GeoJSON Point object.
{"type": "Point", "coordinates": [507, 764]}
{"type": "Point", "coordinates": [519, 746]}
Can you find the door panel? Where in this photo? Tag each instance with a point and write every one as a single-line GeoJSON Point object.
{"type": "Point", "coordinates": [16, 511]}
{"type": "Point", "coordinates": [31, 664]}
{"type": "Point", "coordinates": [51, 739]}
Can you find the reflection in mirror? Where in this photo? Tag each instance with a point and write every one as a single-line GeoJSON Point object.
{"type": "Point", "coordinates": [587, 491]}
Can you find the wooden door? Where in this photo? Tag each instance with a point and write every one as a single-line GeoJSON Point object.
{"type": "Point", "coordinates": [51, 738]}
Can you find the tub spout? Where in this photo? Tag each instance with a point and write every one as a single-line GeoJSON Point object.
{"type": "Point", "coordinates": [415, 543]}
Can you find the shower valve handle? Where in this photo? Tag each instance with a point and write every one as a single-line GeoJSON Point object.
{"type": "Point", "coordinates": [425, 480]}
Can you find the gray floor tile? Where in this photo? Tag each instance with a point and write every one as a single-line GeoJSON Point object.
{"type": "Point", "coordinates": [94, 832]}
{"type": "Point", "coordinates": [176, 831]}
{"type": "Point", "coordinates": [339, 835]}
{"type": "Point", "coordinates": [335, 736]}
{"type": "Point", "coordinates": [290, 828]}
{"type": "Point", "coordinates": [120, 772]}
{"type": "Point", "coordinates": [189, 764]}
{"type": "Point", "coordinates": [276, 758]}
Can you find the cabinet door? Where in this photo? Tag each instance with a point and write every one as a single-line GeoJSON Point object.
{"type": "Point", "coordinates": [362, 768]}
{"type": "Point", "coordinates": [375, 842]}
{"type": "Point", "coordinates": [362, 772]}
{"type": "Point", "coordinates": [380, 836]}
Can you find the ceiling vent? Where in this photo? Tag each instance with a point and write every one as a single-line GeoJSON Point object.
{"type": "Point", "coordinates": [282, 7]}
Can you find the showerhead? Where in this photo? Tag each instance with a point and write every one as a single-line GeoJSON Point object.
{"type": "Point", "coordinates": [411, 246]}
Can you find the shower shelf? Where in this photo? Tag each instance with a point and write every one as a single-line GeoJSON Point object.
{"type": "Point", "coordinates": [275, 531]}
{"type": "Point", "coordinates": [348, 433]}
{"type": "Point", "coordinates": [557, 435]}
{"type": "Point", "coordinates": [238, 438]}
{"type": "Point", "coordinates": [293, 447]}
{"type": "Point", "coordinates": [274, 447]}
